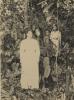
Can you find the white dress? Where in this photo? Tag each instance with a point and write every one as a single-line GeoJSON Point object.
{"type": "Point", "coordinates": [29, 58]}
{"type": "Point", "coordinates": [55, 37]}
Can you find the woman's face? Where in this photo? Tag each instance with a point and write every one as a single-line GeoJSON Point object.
{"type": "Point", "coordinates": [29, 34]}
{"type": "Point", "coordinates": [54, 28]}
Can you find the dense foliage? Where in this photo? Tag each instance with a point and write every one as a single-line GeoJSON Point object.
{"type": "Point", "coordinates": [15, 17]}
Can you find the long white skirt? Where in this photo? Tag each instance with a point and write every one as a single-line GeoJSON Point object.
{"type": "Point", "coordinates": [29, 73]}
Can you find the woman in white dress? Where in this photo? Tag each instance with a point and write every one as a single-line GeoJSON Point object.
{"type": "Point", "coordinates": [55, 38]}
{"type": "Point", "coordinates": [29, 59]}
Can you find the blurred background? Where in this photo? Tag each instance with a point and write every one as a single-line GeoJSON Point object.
{"type": "Point", "coordinates": [16, 18]}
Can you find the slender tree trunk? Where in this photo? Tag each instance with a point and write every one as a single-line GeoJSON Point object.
{"type": "Point", "coordinates": [0, 61]}
{"type": "Point", "coordinates": [26, 12]}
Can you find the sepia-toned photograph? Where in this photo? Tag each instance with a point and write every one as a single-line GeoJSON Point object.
{"type": "Point", "coordinates": [36, 49]}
